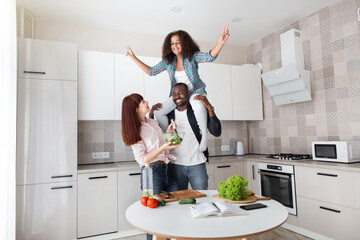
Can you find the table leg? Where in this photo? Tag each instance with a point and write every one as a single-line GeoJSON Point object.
{"type": "Point", "coordinates": [158, 238]}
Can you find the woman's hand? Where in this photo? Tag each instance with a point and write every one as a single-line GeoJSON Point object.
{"type": "Point", "coordinates": [171, 127]}
{"type": "Point", "coordinates": [224, 34]}
{"type": "Point", "coordinates": [129, 52]}
{"type": "Point", "coordinates": [154, 108]}
{"type": "Point", "coordinates": [169, 146]}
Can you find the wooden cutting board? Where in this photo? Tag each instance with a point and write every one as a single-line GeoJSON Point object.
{"type": "Point", "coordinates": [249, 199]}
{"type": "Point", "coordinates": [190, 193]}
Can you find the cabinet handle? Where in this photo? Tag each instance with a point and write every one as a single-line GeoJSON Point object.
{"type": "Point", "coordinates": [253, 171]}
{"type": "Point", "coordinates": [97, 177]}
{"type": "Point", "coordinates": [327, 174]}
{"type": "Point", "coordinates": [134, 174]}
{"type": "Point", "coordinates": [34, 72]}
{"type": "Point", "coordinates": [55, 188]}
{"type": "Point", "coordinates": [329, 209]}
{"type": "Point", "coordinates": [225, 166]}
{"type": "Point", "coordinates": [61, 176]}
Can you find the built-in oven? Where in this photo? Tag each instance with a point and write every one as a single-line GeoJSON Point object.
{"type": "Point", "coordinates": [278, 182]}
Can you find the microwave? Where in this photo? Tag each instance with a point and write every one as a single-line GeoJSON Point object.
{"type": "Point", "coordinates": [336, 151]}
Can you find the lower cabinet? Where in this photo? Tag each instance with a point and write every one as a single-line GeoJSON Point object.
{"type": "Point", "coordinates": [97, 203]}
{"type": "Point", "coordinates": [128, 192]}
{"type": "Point", "coordinates": [46, 211]}
{"type": "Point", "coordinates": [222, 171]}
{"type": "Point", "coordinates": [251, 174]}
{"type": "Point", "coordinates": [211, 179]}
{"type": "Point", "coordinates": [331, 220]}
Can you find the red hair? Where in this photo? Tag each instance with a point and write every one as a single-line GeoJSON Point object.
{"type": "Point", "coordinates": [130, 123]}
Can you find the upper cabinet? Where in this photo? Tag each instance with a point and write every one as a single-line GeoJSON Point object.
{"type": "Point", "coordinates": [217, 78]}
{"type": "Point", "coordinates": [96, 95]}
{"type": "Point", "coordinates": [46, 59]}
{"type": "Point", "coordinates": [246, 92]}
{"type": "Point", "coordinates": [157, 88]}
{"type": "Point", "coordinates": [129, 78]}
{"type": "Point", "coordinates": [106, 78]}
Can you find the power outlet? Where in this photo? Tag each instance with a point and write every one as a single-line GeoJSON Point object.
{"type": "Point", "coordinates": [100, 155]}
{"type": "Point", "coordinates": [225, 148]}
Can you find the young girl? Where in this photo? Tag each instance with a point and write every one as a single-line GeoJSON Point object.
{"type": "Point", "coordinates": [180, 57]}
{"type": "Point", "coordinates": [146, 140]}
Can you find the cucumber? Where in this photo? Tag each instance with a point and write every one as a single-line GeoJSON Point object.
{"type": "Point", "coordinates": [187, 201]}
{"type": "Point", "coordinates": [161, 202]}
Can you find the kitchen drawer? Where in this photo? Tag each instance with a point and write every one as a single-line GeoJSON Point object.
{"type": "Point", "coordinates": [328, 219]}
{"type": "Point", "coordinates": [333, 186]}
{"type": "Point", "coordinates": [223, 171]}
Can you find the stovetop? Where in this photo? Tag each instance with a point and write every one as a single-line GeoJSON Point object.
{"type": "Point", "coordinates": [289, 157]}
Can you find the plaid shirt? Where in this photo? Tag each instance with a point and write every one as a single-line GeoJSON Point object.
{"type": "Point", "coordinates": [191, 69]}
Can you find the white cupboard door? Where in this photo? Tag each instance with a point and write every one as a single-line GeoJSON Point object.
{"type": "Point", "coordinates": [251, 174]}
{"type": "Point", "coordinates": [46, 131]}
{"type": "Point", "coordinates": [246, 92]}
{"type": "Point", "coordinates": [47, 59]}
{"type": "Point", "coordinates": [157, 88]}
{"type": "Point", "coordinates": [46, 211]}
{"type": "Point", "coordinates": [128, 192]}
{"type": "Point", "coordinates": [218, 87]}
{"type": "Point", "coordinates": [97, 203]}
{"type": "Point", "coordinates": [129, 78]}
{"type": "Point", "coordinates": [223, 171]}
{"type": "Point", "coordinates": [96, 86]}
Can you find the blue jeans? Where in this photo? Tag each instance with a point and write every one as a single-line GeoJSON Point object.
{"type": "Point", "coordinates": [196, 175]}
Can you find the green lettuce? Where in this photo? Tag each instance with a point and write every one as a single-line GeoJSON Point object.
{"type": "Point", "coordinates": [234, 188]}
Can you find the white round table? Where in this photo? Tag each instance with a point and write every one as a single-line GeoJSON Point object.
{"type": "Point", "coordinates": [175, 221]}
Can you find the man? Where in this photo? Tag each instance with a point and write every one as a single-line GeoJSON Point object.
{"type": "Point", "coordinates": [189, 166]}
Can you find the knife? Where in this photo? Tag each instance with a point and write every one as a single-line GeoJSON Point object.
{"type": "Point", "coordinates": [169, 194]}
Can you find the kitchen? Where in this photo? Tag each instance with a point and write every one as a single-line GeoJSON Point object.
{"type": "Point", "coordinates": [331, 55]}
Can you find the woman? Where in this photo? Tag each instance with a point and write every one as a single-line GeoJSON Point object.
{"type": "Point", "coordinates": [146, 140]}
{"type": "Point", "coordinates": [180, 57]}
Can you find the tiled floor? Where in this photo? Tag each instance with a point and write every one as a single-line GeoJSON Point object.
{"type": "Point", "coordinates": [277, 234]}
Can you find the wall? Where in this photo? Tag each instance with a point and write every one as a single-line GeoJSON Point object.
{"type": "Point", "coordinates": [110, 40]}
{"type": "Point", "coordinates": [331, 42]}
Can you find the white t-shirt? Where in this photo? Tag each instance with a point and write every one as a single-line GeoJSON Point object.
{"type": "Point", "coordinates": [187, 153]}
{"type": "Point", "coordinates": [180, 77]}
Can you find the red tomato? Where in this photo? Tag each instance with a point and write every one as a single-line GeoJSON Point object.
{"type": "Point", "coordinates": [152, 202]}
{"type": "Point", "coordinates": [144, 201]}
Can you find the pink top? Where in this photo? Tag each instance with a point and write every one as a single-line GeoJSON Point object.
{"type": "Point", "coordinates": [152, 138]}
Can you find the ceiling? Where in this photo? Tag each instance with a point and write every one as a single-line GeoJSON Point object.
{"type": "Point", "coordinates": [203, 19]}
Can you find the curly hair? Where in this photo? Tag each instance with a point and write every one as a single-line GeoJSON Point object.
{"type": "Point", "coordinates": [188, 45]}
{"type": "Point", "coordinates": [130, 123]}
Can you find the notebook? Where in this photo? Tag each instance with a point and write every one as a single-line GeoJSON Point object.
{"type": "Point", "coordinates": [215, 209]}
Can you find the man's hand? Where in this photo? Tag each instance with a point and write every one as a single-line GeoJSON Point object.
{"type": "Point", "coordinates": [206, 103]}
{"type": "Point", "coordinates": [154, 108]}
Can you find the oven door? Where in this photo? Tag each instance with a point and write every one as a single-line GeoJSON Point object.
{"type": "Point", "coordinates": [280, 187]}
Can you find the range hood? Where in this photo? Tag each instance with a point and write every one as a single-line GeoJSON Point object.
{"type": "Point", "coordinates": [291, 83]}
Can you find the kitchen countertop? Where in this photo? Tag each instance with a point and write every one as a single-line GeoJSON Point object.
{"type": "Point", "coordinates": [125, 166]}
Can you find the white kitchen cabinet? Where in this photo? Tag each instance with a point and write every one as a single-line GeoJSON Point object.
{"type": "Point", "coordinates": [328, 185]}
{"type": "Point", "coordinates": [328, 219]}
{"type": "Point", "coordinates": [97, 203]}
{"type": "Point", "coordinates": [157, 88]}
{"type": "Point", "coordinates": [46, 211]}
{"type": "Point", "coordinates": [251, 174]}
{"type": "Point", "coordinates": [96, 97]}
{"type": "Point", "coordinates": [222, 171]}
{"type": "Point", "coordinates": [129, 78]}
{"type": "Point", "coordinates": [246, 92]}
{"type": "Point", "coordinates": [211, 180]}
{"type": "Point", "coordinates": [128, 192]}
{"type": "Point", "coordinates": [217, 78]}
{"type": "Point", "coordinates": [42, 59]}
{"type": "Point", "coordinates": [46, 131]}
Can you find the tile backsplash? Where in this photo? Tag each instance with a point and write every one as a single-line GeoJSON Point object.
{"type": "Point", "coordinates": [331, 42]}
{"type": "Point", "coordinates": [105, 136]}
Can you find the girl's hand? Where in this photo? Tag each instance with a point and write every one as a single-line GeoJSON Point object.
{"type": "Point", "coordinates": [171, 127]}
{"type": "Point", "coordinates": [224, 34]}
{"type": "Point", "coordinates": [129, 52]}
